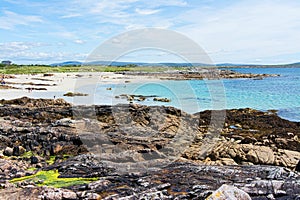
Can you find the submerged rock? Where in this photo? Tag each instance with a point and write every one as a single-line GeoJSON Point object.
{"type": "Point", "coordinates": [162, 99]}
{"type": "Point", "coordinates": [73, 94]}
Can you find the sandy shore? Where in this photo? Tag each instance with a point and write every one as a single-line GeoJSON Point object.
{"type": "Point", "coordinates": [57, 84]}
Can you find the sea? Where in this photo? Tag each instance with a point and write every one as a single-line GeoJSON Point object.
{"type": "Point", "coordinates": [280, 93]}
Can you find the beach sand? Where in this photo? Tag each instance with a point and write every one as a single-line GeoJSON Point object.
{"type": "Point", "coordinates": [56, 85]}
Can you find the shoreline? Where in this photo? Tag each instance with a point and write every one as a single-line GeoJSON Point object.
{"type": "Point", "coordinates": [109, 84]}
{"type": "Point", "coordinates": [274, 111]}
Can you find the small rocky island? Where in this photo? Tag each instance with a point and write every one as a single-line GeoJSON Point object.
{"type": "Point", "coordinates": [51, 149]}
{"type": "Point", "coordinates": [199, 74]}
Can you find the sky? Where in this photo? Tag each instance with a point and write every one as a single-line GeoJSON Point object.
{"type": "Point", "coordinates": [229, 31]}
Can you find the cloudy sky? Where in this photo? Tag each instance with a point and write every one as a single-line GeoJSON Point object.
{"type": "Point", "coordinates": [235, 31]}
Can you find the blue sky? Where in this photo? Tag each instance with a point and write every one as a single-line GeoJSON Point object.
{"type": "Point", "coordinates": [254, 31]}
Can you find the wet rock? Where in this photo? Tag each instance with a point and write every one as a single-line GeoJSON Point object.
{"type": "Point", "coordinates": [34, 160]}
{"type": "Point", "coordinates": [73, 94]}
{"type": "Point", "coordinates": [6, 87]}
{"type": "Point", "coordinates": [162, 99]}
{"type": "Point", "coordinates": [199, 74]}
{"type": "Point", "coordinates": [192, 181]}
{"type": "Point", "coordinates": [48, 75]}
{"type": "Point", "coordinates": [25, 101]}
{"type": "Point", "coordinates": [82, 166]}
{"type": "Point", "coordinates": [18, 150]}
{"type": "Point", "coordinates": [32, 88]}
{"type": "Point", "coordinates": [229, 192]}
{"type": "Point", "coordinates": [298, 167]}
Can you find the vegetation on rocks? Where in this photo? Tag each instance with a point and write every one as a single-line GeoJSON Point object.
{"type": "Point", "coordinates": [51, 178]}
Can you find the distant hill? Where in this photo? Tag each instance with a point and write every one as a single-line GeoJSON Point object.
{"type": "Point", "coordinates": [115, 63]}
{"type": "Point", "coordinates": [73, 63]}
{"type": "Point", "coordinates": [294, 64]}
{"type": "Point", "coordinates": [231, 65]}
{"type": "Point", "coordinates": [145, 64]}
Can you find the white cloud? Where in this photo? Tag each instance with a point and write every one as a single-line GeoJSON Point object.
{"type": "Point", "coordinates": [10, 20]}
{"type": "Point", "coordinates": [18, 46]}
{"type": "Point", "coordinates": [72, 15]}
{"type": "Point", "coordinates": [26, 51]}
{"type": "Point", "coordinates": [125, 13]}
{"type": "Point", "coordinates": [12, 1]}
{"type": "Point", "coordinates": [160, 3]}
{"type": "Point", "coordinates": [78, 41]}
{"type": "Point", "coordinates": [48, 57]}
{"type": "Point", "coordinates": [107, 6]}
{"type": "Point", "coordinates": [246, 31]}
{"type": "Point", "coordinates": [64, 34]}
{"type": "Point", "coordinates": [146, 11]}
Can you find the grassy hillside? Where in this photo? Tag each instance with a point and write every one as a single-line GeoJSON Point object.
{"type": "Point", "coordinates": [39, 69]}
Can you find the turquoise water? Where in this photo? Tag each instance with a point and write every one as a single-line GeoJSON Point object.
{"type": "Point", "coordinates": [280, 93]}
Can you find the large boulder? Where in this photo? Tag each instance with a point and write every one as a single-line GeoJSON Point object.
{"type": "Point", "coordinates": [261, 155]}
{"type": "Point", "coordinates": [287, 158]}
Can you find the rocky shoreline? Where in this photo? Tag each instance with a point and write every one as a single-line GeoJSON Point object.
{"type": "Point", "coordinates": [133, 151]}
{"type": "Point", "coordinates": [199, 74]}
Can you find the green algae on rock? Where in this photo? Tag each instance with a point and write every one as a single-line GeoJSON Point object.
{"type": "Point", "coordinates": [51, 178]}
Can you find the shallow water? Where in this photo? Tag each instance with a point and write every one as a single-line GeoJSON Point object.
{"type": "Point", "coordinates": [280, 93]}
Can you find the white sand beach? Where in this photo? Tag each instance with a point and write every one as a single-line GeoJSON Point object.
{"type": "Point", "coordinates": [56, 85]}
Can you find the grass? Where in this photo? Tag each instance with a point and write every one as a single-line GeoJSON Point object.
{"type": "Point", "coordinates": [41, 69]}
{"type": "Point", "coordinates": [50, 178]}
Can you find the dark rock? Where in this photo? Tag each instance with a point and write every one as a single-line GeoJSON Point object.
{"type": "Point", "coordinates": [48, 75]}
{"type": "Point", "coordinates": [34, 160]}
{"type": "Point", "coordinates": [298, 167]}
{"type": "Point", "coordinates": [73, 94]}
{"type": "Point", "coordinates": [18, 150]}
{"type": "Point", "coordinates": [162, 99]}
